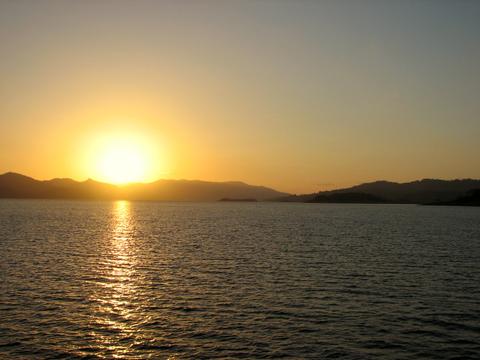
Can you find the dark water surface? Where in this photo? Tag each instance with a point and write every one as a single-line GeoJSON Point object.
{"type": "Point", "coordinates": [83, 279]}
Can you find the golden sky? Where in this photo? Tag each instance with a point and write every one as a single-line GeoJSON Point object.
{"type": "Point", "coordinates": [296, 95]}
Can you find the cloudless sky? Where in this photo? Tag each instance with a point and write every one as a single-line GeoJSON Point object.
{"type": "Point", "coordinates": [297, 95]}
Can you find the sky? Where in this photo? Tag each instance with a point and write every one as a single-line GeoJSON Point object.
{"type": "Point", "coordinates": [297, 95]}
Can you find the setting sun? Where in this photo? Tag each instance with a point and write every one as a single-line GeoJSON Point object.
{"type": "Point", "coordinates": [121, 158]}
{"type": "Point", "coordinates": [122, 162]}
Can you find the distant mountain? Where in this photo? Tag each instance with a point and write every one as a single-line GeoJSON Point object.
{"type": "Point", "coordinates": [14, 185]}
{"type": "Point", "coordinates": [472, 198]}
{"type": "Point", "coordinates": [348, 198]}
{"type": "Point", "coordinates": [415, 192]}
{"type": "Point", "coordinates": [426, 191]}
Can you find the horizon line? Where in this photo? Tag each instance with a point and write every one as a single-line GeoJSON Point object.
{"type": "Point", "coordinates": [230, 181]}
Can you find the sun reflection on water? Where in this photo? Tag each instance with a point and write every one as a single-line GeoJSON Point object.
{"type": "Point", "coordinates": [118, 314]}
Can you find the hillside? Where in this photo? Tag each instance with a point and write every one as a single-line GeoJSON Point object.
{"type": "Point", "coordinates": [472, 198]}
{"type": "Point", "coordinates": [14, 185]}
{"type": "Point", "coordinates": [415, 192]}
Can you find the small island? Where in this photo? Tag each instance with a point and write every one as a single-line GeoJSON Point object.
{"type": "Point", "coordinates": [240, 200]}
{"type": "Point", "coordinates": [348, 198]}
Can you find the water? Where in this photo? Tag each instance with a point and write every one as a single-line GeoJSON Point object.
{"type": "Point", "coordinates": [137, 280]}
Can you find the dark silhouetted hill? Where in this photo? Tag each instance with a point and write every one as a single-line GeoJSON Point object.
{"type": "Point", "coordinates": [14, 185]}
{"type": "Point", "coordinates": [348, 198]}
{"type": "Point", "coordinates": [197, 190]}
{"type": "Point", "coordinates": [415, 192]}
{"type": "Point", "coordinates": [472, 198]}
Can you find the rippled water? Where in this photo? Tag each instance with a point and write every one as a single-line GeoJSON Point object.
{"type": "Point", "coordinates": [238, 280]}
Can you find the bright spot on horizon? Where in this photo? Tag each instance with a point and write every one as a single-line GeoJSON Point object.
{"type": "Point", "coordinates": [122, 163]}
{"type": "Point", "coordinates": [122, 158]}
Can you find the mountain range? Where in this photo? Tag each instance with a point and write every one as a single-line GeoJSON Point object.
{"type": "Point", "coordinates": [13, 185]}
{"type": "Point", "coordinates": [426, 191]}
{"type": "Point", "coordinates": [414, 192]}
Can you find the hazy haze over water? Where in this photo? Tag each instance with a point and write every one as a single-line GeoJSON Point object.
{"type": "Point", "coordinates": [228, 280]}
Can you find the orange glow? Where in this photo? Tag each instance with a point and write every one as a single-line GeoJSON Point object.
{"type": "Point", "coordinates": [121, 158]}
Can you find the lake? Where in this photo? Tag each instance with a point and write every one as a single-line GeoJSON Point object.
{"type": "Point", "coordinates": [84, 279]}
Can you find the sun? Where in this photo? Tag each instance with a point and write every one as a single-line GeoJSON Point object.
{"type": "Point", "coordinates": [122, 162]}
{"type": "Point", "coordinates": [122, 159]}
